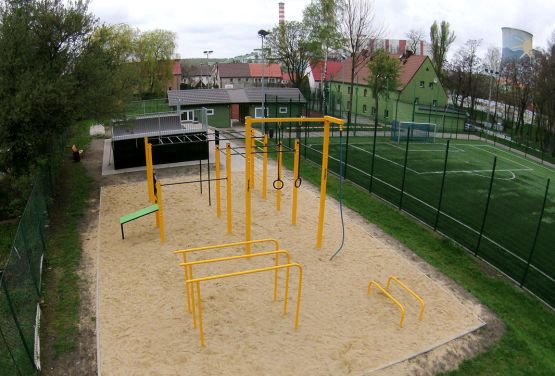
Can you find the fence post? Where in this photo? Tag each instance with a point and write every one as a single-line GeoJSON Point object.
{"type": "Point", "coordinates": [487, 207]}
{"type": "Point", "coordinates": [373, 157]}
{"type": "Point", "coordinates": [442, 186]}
{"type": "Point", "coordinates": [18, 325]}
{"type": "Point", "coordinates": [405, 169]}
{"type": "Point", "coordinates": [536, 235]}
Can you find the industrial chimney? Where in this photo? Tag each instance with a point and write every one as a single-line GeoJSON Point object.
{"type": "Point", "coordinates": [281, 13]}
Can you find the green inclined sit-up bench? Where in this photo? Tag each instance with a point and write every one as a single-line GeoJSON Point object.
{"type": "Point", "coordinates": [135, 215]}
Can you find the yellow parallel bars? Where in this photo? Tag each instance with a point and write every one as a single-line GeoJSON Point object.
{"type": "Point", "coordinates": [197, 281]}
{"type": "Point", "coordinates": [422, 303]}
{"type": "Point", "coordinates": [278, 191]}
{"type": "Point", "coordinates": [295, 179]}
{"type": "Point", "coordinates": [265, 167]}
{"type": "Point", "coordinates": [374, 283]}
{"type": "Point", "coordinates": [218, 194]}
{"type": "Point", "coordinates": [187, 266]}
{"type": "Point", "coordinates": [219, 246]}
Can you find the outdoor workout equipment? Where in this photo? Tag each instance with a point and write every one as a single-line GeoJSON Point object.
{"type": "Point", "coordinates": [196, 282]}
{"type": "Point", "coordinates": [327, 120]}
{"type": "Point", "coordinates": [185, 252]}
{"type": "Point", "coordinates": [405, 287]}
{"type": "Point", "coordinates": [340, 195]}
{"type": "Point", "coordinates": [154, 208]}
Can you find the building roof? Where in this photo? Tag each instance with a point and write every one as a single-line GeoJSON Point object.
{"type": "Point", "coordinates": [248, 70]}
{"type": "Point", "coordinates": [229, 96]}
{"type": "Point", "coordinates": [408, 70]}
{"type": "Point", "coordinates": [332, 68]}
{"type": "Point", "coordinates": [153, 125]}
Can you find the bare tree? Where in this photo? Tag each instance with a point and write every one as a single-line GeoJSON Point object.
{"type": "Point", "coordinates": [358, 29]}
{"type": "Point", "coordinates": [414, 37]}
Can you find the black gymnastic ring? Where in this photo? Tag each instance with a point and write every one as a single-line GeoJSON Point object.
{"type": "Point", "coordinates": [298, 182]}
{"type": "Point", "coordinates": [277, 185]}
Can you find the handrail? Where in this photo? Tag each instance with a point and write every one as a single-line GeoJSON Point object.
{"type": "Point", "coordinates": [184, 252]}
{"type": "Point", "coordinates": [189, 271]}
{"type": "Point", "coordinates": [299, 119]}
{"type": "Point", "coordinates": [243, 272]}
{"type": "Point", "coordinates": [372, 282]}
{"type": "Point", "coordinates": [422, 303]}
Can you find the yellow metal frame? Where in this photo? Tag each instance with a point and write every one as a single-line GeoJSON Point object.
{"type": "Point", "coordinates": [374, 283]}
{"type": "Point", "coordinates": [327, 120]}
{"type": "Point", "coordinates": [185, 252]}
{"type": "Point", "coordinates": [188, 267]}
{"type": "Point", "coordinates": [197, 281]}
{"type": "Point", "coordinates": [422, 303]}
{"type": "Point", "coordinates": [218, 193]}
{"type": "Point", "coordinates": [295, 178]}
{"type": "Point", "coordinates": [280, 162]}
{"type": "Point", "coordinates": [228, 186]}
{"type": "Point", "coordinates": [265, 167]}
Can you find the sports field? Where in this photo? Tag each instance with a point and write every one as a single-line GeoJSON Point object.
{"type": "Point", "coordinates": [509, 221]}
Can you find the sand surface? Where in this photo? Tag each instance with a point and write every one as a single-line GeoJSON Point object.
{"type": "Point", "coordinates": [143, 320]}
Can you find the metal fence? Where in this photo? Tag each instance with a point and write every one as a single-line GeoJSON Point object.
{"type": "Point", "coordinates": [495, 203]}
{"type": "Point", "coordinates": [20, 283]}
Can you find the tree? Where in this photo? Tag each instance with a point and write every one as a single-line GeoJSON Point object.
{"type": "Point", "coordinates": [321, 18]}
{"type": "Point", "coordinates": [414, 37]}
{"type": "Point", "coordinates": [291, 46]}
{"type": "Point", "coordinates": [154, 51]}
{"type": "Point", "coordinates": [464, 68]}
{"type": "Point", "coordinates": [384, 76]}
{"type": "Point", "coordinates": [441, 39]}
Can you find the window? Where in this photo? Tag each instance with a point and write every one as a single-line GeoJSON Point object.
{"type": "Point", "coordinates": [364, 107]}
{"type": "Point", "coordinates": [238, 80]}
{"type": "Point", "coordinates": [258, 112]}
{"type": "Point", "coordinates": [231, 80]}
{"type": "Point", "coordinates": [283, 110]}
{"type": "Point", "coordinates": [431, 85]}
{"type": "Point", "coordinates": [246, 80]}
{"type": "Point", "coordinates": [434, 103]}
{"type": "Point", "coordinates": [386, 114]}
{"type": "Point", "coordinates": [339, 88]}
{"type": "Point", "coordinates": [421, 84]}
{"type": "Point", "coordinates": [187, 115]}
{"type": "Point", "coordinates": [348, 90]}
{"type": "Point", "coordinates": [365, 92]}
{"type": "Point", "coordinates": [209, 111]}
{"type": "Point", "coordinates": [416, 100]}
{"type": "Point", "coordinates": [373, 110]}
{"type": "Point", "coordinates": [271, 80]}
{"type": "Point", "coordinates": [348, 104]}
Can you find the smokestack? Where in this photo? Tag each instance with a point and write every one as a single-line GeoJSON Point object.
{"type": "Point", "coordinates": [281, 13]}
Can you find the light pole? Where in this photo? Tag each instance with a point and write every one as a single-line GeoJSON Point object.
{"type": "Point", "coordinates": [207, 53]}
{"type": "Point", "coordinates": [263, 34]}
{"type": "Point", "coordinates": [491, 74]}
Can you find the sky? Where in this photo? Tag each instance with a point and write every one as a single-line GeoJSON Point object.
{"type": "Point", "coordinates": [229, 27]}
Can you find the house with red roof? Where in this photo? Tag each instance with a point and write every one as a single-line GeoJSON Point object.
{"type": "Point", "coordinates": [175, 82]}
{"type": "Point", "coordinates": [245, 75]}
{"type": "Point", "coordinates": [419, 97]}
{"type": "Point", "coordinates": [315, 73]}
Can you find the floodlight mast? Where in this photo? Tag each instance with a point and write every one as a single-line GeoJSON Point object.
{"type": "Point", "coordinates": [207, 53]}
{"type": "Point", "coordinates": [263, 34]}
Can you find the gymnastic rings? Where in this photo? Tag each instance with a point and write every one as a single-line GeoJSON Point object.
{"type": "Point", "coordinates": [298, 182]}
{"type": "Point", "coordinates": [278, 184]}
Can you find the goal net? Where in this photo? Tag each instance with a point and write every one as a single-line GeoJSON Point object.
{"type": "Point", "coordinates": [416, 131]}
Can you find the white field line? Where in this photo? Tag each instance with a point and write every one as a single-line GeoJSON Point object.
{"type": "Point", "coordinates": [479, 147]}
{"type": "Point", "coordinates": [386, 159]}
{"type": "Point", "coordinates": [472, 171]}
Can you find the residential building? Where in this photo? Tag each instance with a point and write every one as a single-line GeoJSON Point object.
{"type": "Point", "coordinates": [244, 75]}
{"type": "Point", "coordinates": [315, 73]}
{"type": "Point", "coordinates": [175, 81]}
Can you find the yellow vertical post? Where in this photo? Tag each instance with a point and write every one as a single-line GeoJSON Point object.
{"type": "Point", "coordinates": [150, 173]}
{"type": "Point", "coordinates": [201, 330]}
{"type": "Point", "coordinates": [148, 166]}
{"type": "Point", "coordinates": [218, 194]}
{"type": "Point", "coordinates": [160, 212]}
{"type": "Point", "coordinates": [323, 181]}
{"type": "Point", "coordinates": [295, 186]}
{"type": "Point", "coordinates": [248, 185]}
{"type": "Point", "coordinates": [253, 157]}
{"type": "Point", "coordinates": [228, 185]}
{"type": "Point", "coordinates": [265, 167]}
{"type": "Point", "coordinates": [278, 191]}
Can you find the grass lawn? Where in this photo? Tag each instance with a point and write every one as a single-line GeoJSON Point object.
{"type": "Point", "coordinates": [528, 346]}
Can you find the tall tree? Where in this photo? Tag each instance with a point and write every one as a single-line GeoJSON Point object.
{"type": "Point", "coordinates": [322, 19]}
{"type": "Point", "coordinates": [384, 76]}
{"type": "Point", "coordinates": [441, 39]}
{"type": "Point", "coordinates": [154, 52]}
{"type": "Point", "coordinates": [291, 46]}
{"type": "Point", "coordinates": [414, 37]}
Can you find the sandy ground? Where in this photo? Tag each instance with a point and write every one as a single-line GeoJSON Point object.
{"type": "Point", "coordinates": [143, 321]}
